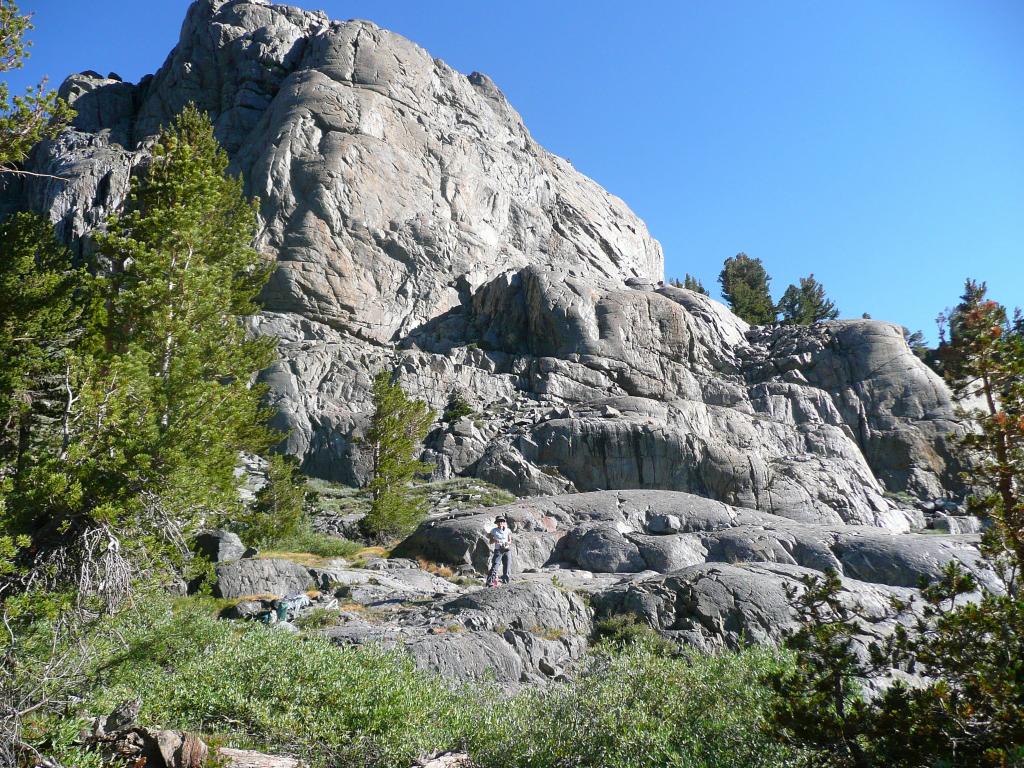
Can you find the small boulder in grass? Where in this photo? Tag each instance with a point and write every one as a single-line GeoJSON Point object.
{"type": "Point", "coordinates": [246, 609]}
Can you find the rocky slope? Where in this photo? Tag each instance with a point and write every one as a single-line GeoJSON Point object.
{"type": "Point", "coordinates": [703, 573]}
{"type": "Point", "coordinates": [418, 226]}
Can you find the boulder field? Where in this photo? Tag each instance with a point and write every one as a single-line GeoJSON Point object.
{"type": "Point", "coordinates": [702, 573]}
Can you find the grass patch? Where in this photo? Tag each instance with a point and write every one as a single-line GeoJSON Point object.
{"type": "Point", "coordinates": [320, 545]}
{"type": "Point", "coordinates": [548, 633]}
{"type": "Point", "coordinates": [444, 571]}
{"type": "Point", "coordinates": [257, 687]}
{"type": "Point", "coordinates": [302, 558]}
{"type": "Point", "coordinates": [365, 554]}
{"type": "Point", "coordinates": [318, 618]}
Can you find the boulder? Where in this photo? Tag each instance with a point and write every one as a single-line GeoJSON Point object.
{"type": "Point", "coordinates": [718, 605]}
{"type": "Point", "coordinates": [159, 748]}
{"type": "Point", "coordinates": [957, 524]}
{"type": "Point", "coordinates": [534, 607]}
{"type": "Point", "coordinates": [219, 546]}
{"type": "Point", "coordinates": [664, 524]}
{"type": "Point", "coordinates": [260, 577]}
{"type": "Point", "coordinates": [601, 548]}
{"type": "Point", "coordinates": [246, 609]}
{"type": "Point", "coordinates": [247, 758]}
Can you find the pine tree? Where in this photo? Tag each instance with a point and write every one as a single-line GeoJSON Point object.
{"type": "Point", "coordinates": [745, 288]}
{"type": "Point", "coordinates": [38, 114]}
{"type": "Point", "coordinates": [395, 437]}
{"type": "Point", "coordinates": [806, 304]}
{"type": "Point", "coordinates": [279, 508]}
{"type": "Point", "coordinates": [690, 283]}
{"type": "Point", "coordinates": [40, 319]}
{"type": "Point", "coordinates": [972, 714]}
{"type": "Point", "coordinates": [917, 343]}
{"type": "Point", "coordinates": [160, 402]}
{"type": "Point", "coordinates": [983, 359]}
{"type": "Point", "coordinates": [818, 703]}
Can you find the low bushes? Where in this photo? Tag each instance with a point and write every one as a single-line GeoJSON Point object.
{"type": "Point", "coordinates": [260, 687]}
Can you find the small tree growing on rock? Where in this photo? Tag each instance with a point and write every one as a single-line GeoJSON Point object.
{"type": "Point", "coordinates": [278, 510]}
{"type": "Point", "coordinates": [690, 283]}
{"type": "Point", "coordinates": [394, 439]}
{"type": "Point", "coordinates": [806, 304]}
{"type": "Point", "coordinates": [745, 288]}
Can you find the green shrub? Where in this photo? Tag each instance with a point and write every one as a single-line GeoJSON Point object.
{"type": "Point", "coordinates": [256, 686]}
{"type": "Point", "coordinates": [266, 688]}
{"type": "Point", "coordinates": [457, 408]}
{"type": "Point", "coordinates": [318, 618]}
{"type": "Point", "coordinates": [623, 630]}
{"type": "Point", "coordinates": [637, 709]}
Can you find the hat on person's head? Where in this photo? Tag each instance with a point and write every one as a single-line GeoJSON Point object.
{"type": "Point", "coordinates": [500, 519]}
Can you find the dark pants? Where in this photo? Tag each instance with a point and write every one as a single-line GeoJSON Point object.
{"type": "Point", "coordinates": [501, 557]}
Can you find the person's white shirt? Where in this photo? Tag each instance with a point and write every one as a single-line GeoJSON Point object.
{"type": "Point", "coordinates": [500, 537]}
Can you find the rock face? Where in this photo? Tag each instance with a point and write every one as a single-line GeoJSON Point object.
{"type": "Point", "coordinates": [715, 577]}
{"type": "Point", "coordinates": [622, 532]}
{"type": "Point", "coordinates": [418, 227]}
{"type": "Point", "coordinates": [528, 632]}
{"type": "Point", "coordinates": [260, 577]}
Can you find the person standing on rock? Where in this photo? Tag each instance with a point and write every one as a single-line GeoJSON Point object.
{"type": "Point", "coordinates": [501, 541]}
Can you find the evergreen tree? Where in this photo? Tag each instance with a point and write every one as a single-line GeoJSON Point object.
{"type": "Point", "coordinates": [40, 319]}
{"type": "Point", "coordinates": [973, 712]}
{"type": "Point", "coordinates": [690, 283]}
{"type": "Point", "coordinates": [159, 399]}
{"type": "Point", "coordinates": [806, 304]}
{"type": "Point", "coordinates": [818, 702]}
{"type": "Point", "coordinates": [917, 344]}
{"type": "Point", "coordinates": [745, 288]}
{"type": "Point", "coordinates": [154, 406]}
{"type": "Point", "coordinates": [983, 360]}
{"type": "Point", "coordinates": [38, 114]}
{"type": "Point", "coordinates": [395, 437]}
{"type": "Point", "coordinates": [279, 508]}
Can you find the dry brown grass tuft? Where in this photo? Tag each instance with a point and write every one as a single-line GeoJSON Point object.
{"type": "Point", "coordinates": [302, 558]}
{"type": "Point", "coordinates": [435, 568]}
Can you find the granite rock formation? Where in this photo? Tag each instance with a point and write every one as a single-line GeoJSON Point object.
{"type": "Point", "coordinates": [419, 227]}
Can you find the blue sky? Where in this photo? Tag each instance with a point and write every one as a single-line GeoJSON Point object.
{"type": "Point", "coordinates": [877, 144]}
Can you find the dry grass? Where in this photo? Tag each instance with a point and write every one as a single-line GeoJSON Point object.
{"type": "Point", "coordinates": [435, 568]}
{"type": "Point", "coordinates": [302, 558]}
{"type": "Point", "coordinates": [548, 633]}
{"type": "Point", "coordinates": [366, 554]}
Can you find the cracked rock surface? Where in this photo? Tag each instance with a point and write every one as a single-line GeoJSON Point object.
{"type": "Point", "coordinates": [718, 577]}
{"type": "Point", "coordinates": [419, 227]}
